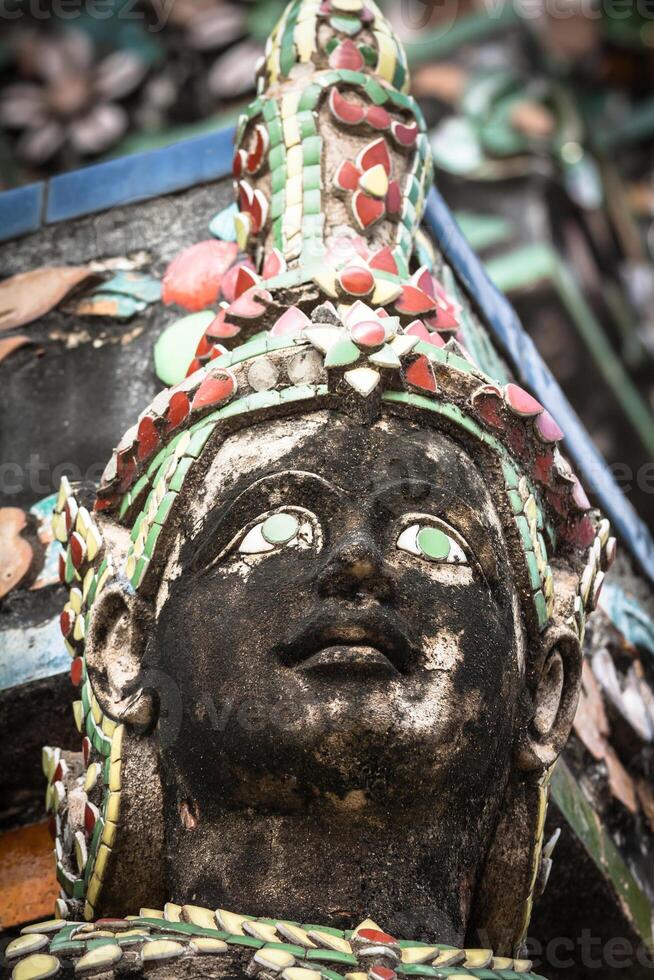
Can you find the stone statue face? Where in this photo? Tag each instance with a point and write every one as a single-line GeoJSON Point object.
{"type": "Point", "coordinates": [341, 667]}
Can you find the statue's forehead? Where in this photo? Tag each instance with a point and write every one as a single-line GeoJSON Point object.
{"type": "Point", "coordinates": [351, 457]}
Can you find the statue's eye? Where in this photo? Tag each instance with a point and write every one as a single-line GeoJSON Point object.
{"type": "Point", "coordinates": [292, 527]}
{"type": "Point", "coordinates": [435, 542]}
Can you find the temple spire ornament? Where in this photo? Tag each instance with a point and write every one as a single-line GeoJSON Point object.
{"type": "Point", "coordinates": [354, 518]}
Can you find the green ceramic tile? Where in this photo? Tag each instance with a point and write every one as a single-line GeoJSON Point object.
{"type": "Point", "coordinates": [277, 157]}
{"type": "Point", "coordinates": [307, 124]}
{"type": "Point", "coordinates": [312, 178]}
{"type": "Point", "coordinates": [181, 470]}
{"type": "Point", "coordinates": [312, 202]}
{"type": "Point", "coordinates": [198, 441]}
{"type": "Point", "coordinates": [525, 533]}
{"type": "Point", "coordinates": [312, 150]}
{"type": "Point", "coordinates": [309, 98]}
{"type": "Point", "coordinates": [375, 92]}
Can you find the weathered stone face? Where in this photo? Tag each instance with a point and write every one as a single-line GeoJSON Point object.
{"type": "Point", "coordinates": [339, 669]}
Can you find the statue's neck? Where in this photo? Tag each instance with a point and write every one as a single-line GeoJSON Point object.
{"type": "Point", "coordinates": [334, 869]}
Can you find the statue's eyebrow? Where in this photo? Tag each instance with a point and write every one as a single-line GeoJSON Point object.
{"type": "Point", "coordinates": [234, 512]}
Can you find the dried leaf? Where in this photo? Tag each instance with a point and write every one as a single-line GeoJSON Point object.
{"type": "Point", "coordinates": [15, 552]}
{"type": "Point", "coordinates": [29, 295]}
{"type": "Point", "coordinates": [591, 724]}
{"type": "Point", "coordinates": [193, 278]}
{"type": "Point", "coordinates": [99, 130]}
{"type": "Point", "coordinates": [9, 344]}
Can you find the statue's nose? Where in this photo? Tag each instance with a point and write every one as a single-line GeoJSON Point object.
{"type": "Point", "coordinates": [355, 565]}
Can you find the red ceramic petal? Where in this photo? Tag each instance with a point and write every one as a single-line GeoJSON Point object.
{"type": "Point", "coordinates": [420, 374]}
{"type": "Point", "coordinates": [378, 117]}
{"type": "Point", "coordinates": [86, 755]}
{"type": "Point", "coordinates": [238, 164]}
{"type": "Point", "coordinates": [147, 436]}
{"type": "Point", "coordinates": [356, 280]}
{"type": "Point", "coordinates": [424, 280]}
{"type": "Point", "coordinates": [373, 154]}
{"type": "Point", "coordinates": [291, 323]}
{"type": "Point", "coordinates": [77, 671]}
{"type": "Point", "coordinates": [347, 56]}
{"type": "Point", "coordinates": [368, 333]}
{"type": "Point", "coordinates": [347, 176]}
{"type": "Point", "coordinates": [245, 196]}
{"type": "Point", "coordinates": [228, 285]}
{"type": "Point", "coordinates": [256, 157]}
{"type": "Point", "coordinates": [381, 973]}
{"type": "Point", "coordinates": [77, 549]}
{"type": "Point", "coordinates": [204, 347]}
{"type": "Point", "coordinates": [213, 390]}
{"type": "Point", "coordinates": [520, 402]}
{"type": "Point", "coordinates": [547, 428]}
{"type": "Point", "coordinates": [221, 329]}
{"type": "Point", "coordinates": [403, 134]}
{"type": "Point", "coordinates": [384, 260]}
{"type": "Point", "coordinates": [274, 265]}
{"type": "Point", "coordinates": [418, 329]}
{"type": "Point", "coordinates": [178, 408]}
{"type": "Point", "coordinates": [579, 495]}
{"type": "Point", "coordinates": [91, 814]}
{"type": "Point", "coordinates": [193, 279]}
{"type": "Point", "coordinates": [217, 351]}
{"type": "Point", "coordinates": [367, 210]}
{"type": "Point", "coordinates": [377, 936]}
{"type": "Point", "coordinates": [246, 278]}
{"type": "Point", "coordinates": [414, 302]}
{"type": "Point", "coordinates": [345, 111]}
{"type": "Point", "coordinates": [489, 403]}
{"type": "Point", "coordinates": [66, 620]}
{"type": "Point", "coordinates": [394, 198]}
{"type": "Point", "coordinates": [246, 305]}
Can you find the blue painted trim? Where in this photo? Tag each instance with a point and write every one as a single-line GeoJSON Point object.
{"type": "Point", "coordinates": [21, 210]}
{"type": "Point", "coordinates": [140, 176]}
{"type": "Point", "coordinates": [534, 373]}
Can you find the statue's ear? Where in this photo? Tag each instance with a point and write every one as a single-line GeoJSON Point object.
{"type": "Point", "coordinates": [114, 648]}
{"type": "Point", "coordinates": [554, 684]}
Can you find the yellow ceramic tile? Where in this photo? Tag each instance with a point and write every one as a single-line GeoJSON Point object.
{"type": "Point", "coordinates": [295, 934]}
{"type": "Point", "coordinates": [291, 131]}
{"type": "Point", "coordinates": [26, 944]}
{"type": "Point", "coordinates": [113, 807]}
{"type": "Point", "coordinates": [293, 192]}
{"type": "Point", "coordinates": [242, 225]}
{"type": "Point", "coordinates": [109, 726]}
{"type": "Point", "coordinates": [327, 941]}
{"type": "Point", "coordinates": [75, 599]}
{"type": "Point", "coordinates": [387, 54]}
{"type": "Point", "coordinates": [146, 913]}
{"type": "Point", "coordinates": [79, 629]}
{"type": "Point", "coordinates": [96, 710]}
{"type": "Point", "coordinates": [292, 220]}
{"type": "Point", "coordinates": [117, 743]}
{"type": "Point", "coordinates": [91, 776]}
{"type": "Point", "coordinates": [205, 945]}
{"type": "Point", "coordinates": [101, 957]}
{"type": "Point", "coordinates": [36, 967]}
{"type": "Point", "coordinates": [305, 40]}
{"type": "Point", "coordinates": [294, 161]}
{"type": "Point", "coordinates": [300, 973]}
{"type": "Point", "coordinates": [172, 912]}
{"type": "Point", "coordinates": [264, 931]}
{"type": "Point", "coordinates": [161, 949]}
{"type": "Point", "coordinates": [101, 860]}
{"type": "Point", "coordinates": [94, 888]}
{"type": "Point", "coordinates": [478, 959]}
{"type": "Point", "coordinates": [375, 181]}
{"type": "Point", "coordinates": [114, 777]}
{"type": "Point", "coordinates": [78, 715]}
{"type": "Point", "coordinates": [232, 922]}
{"type": "Point", "coordinates": [109, 832]}
{"type": "Point", "coordinates": [289, 104]}
{"type": "Point", "coordinates": [274, 959]}
{"type": "Point", "coordinates": [199, 916]}
{"type": "Point", "coordinates": [326, 280]}
{"type": "Point", "coordinates": [385, 292]}
{"type": "Point", "coordinates": [348, 6]}
{"type": "Point", "coordinates": [418, 954]}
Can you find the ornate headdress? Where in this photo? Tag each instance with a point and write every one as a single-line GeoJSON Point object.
{"type": "Point", "coordinates": [344, 306]}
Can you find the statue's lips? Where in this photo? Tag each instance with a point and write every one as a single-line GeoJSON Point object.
{"type": "Point", "coordinates": [350, 659]}
{"type": "Point", "coordinates": [337, 640]}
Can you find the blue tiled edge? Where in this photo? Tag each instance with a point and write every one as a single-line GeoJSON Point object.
{"type": "Point", "coordinates": [21, 211]}
{"type": "Point", "coordinates": [140, 176]}
{"type": "Point", "coordinates": [505, 326]}
{"type": "Point", "coordinates": [117, 182]}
